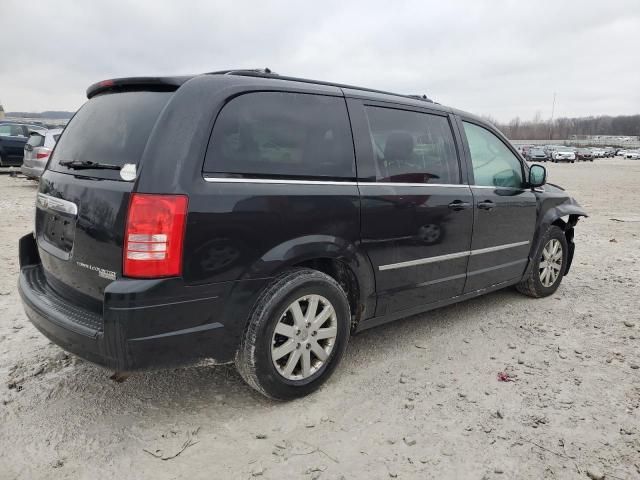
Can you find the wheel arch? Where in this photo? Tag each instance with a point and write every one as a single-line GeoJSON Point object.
{"type": "Point", "coordinates": [565, 216]}
{"type": "Point", "coordinates": [334, 256]}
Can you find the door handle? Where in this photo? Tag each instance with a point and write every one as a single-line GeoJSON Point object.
{"type": "Point", "coordinates": [486, 205]}
{"type": "Point", "coordinates": [458, 205]}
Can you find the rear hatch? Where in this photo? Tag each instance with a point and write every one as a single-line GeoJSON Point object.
{"type": "Point", "coordinates": [36, 153]}
{"type": "Point", "coordinates": [84, 193]}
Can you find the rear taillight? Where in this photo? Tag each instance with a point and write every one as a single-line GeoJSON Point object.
{"type": "Point", "coordinates": [154, 235]}
{"type": "Point", "coordinates": [41, 155]}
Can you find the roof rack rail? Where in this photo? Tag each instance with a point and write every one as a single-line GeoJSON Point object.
{"type": "Point", "coordinates": [421, 97]}
{"type": "Point", "coordinates": [267, 73]}
{"type": "Point", "coordinates": [240, 71]}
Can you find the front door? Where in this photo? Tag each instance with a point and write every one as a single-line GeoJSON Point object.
{"type": "Point", "coordinates": [505, 210]}
{"type": "Point", "coordinates": [416, 213]}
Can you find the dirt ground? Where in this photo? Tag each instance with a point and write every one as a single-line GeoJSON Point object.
{"type": "Point", "coordinates": [418, 398]}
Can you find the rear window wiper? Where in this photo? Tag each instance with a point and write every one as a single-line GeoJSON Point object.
{"type": "Point", "coordinates": [79, 165]}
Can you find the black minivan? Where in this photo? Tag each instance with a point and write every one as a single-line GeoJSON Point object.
{"type": "Point", "coordinates": [253, 218]}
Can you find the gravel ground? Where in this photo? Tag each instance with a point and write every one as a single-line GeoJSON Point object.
{"type": "Point", "coordinates": [418, 398]}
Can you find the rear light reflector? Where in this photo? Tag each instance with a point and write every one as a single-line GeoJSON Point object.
{"type": "Point", "coordinates": [41, 155]}
{"type": "Point", "coordinates": [154, 235]}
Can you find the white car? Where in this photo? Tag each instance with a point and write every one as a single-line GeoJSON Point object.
{"type": "Point", "coordinates": [634, 155]}
{"type": "Point", "coordinates": [37, 151]}
{"type": "Point", "coordinates": [598, 152]}
{"type": "Point", "coordinates": [621, 153]}
{"type": "Point", "coordinates": [563, 155]}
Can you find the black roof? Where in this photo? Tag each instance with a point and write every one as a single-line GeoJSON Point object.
{"type": "Point", "coordinates": [267, 73]}
{"type": "Point", "coordinates": [172, 83]}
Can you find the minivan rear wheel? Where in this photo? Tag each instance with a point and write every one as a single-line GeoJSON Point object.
{"type": "Point", "coordinates": [296, 335]}
{"type": "Point", "coordinates": [549, 265]}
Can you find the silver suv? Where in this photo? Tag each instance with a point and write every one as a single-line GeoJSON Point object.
{"type": "Point", "coordinates": [37, 151]}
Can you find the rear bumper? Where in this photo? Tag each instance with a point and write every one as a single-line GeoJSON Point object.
{"type": "Point", "coordinates": [34, 172]}
{"type": "Point", "coordinates": [143, 323]}
{"type": "Point", "coordinates": [61, 325]}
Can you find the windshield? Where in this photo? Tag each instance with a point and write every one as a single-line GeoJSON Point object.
{"type": "Point", "coordinates": [111, 129]}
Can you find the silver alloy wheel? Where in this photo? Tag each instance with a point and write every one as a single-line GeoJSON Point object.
{"type": "Point", "coordinates": [304, 337]}
{"type": "Point", "coordinates": [551, 262]}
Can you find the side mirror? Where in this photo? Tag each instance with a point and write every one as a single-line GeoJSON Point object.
{"type": "Point", "coordinates": [537, 176]}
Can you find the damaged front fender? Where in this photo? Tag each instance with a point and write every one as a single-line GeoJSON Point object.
{"type": "Point", "coordinates": [556, 208]}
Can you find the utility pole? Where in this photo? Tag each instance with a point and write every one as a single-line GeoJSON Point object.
{"type": "Point", "coordinates": [553, 108]}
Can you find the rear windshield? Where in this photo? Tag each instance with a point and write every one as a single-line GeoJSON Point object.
{"type": "Point", "coordinates": [112, 129]}
{"type": "Point", "coordinates": [36, 140]}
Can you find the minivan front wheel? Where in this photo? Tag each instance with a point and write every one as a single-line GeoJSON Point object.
{"type": "Point", "coordinates": [296, 335]}
{"type": "Point", "coordinates": [550, 264]}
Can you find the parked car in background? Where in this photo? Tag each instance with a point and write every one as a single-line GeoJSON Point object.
{"type": "Point", "coordinates": [621, 152]}
{"type": "Point", "coordinates": [549, 149]}
{"type": "Point", "coordinates": [145, 250]}
{"type": "Point", "coordinates": [37, 151]}
{"type": "Point", "coordinates": [609, 152]}
{"type": "Point", "coordinates": [632, 154]}
{"type": "Point", "coordinates": [13, 138]}
{"type": "Point", "coordinates": [598, 152]}
{"type": "Point", "coordinates": [584, 154]}
{"type": "Point", "coordinates": [523, 149]}
{"type": "Point", "coordinates": [563, 154]}
{"type": "Point", "coordinates": [526, 149]}
{"type": "Point", "coordinates": [536, 154]}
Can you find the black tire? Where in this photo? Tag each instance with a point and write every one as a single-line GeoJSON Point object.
{"type": "Point", "coordinates": [532, 285]}
{"type": "Point", "coordinates": [253, 359]}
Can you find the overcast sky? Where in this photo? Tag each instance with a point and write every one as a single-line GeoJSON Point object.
{"type": "Point", "coordinates": [503, 58]}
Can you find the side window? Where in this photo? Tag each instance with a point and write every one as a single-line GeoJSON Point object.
{"type": "Point", "coordinates": [494, 165]}
{"type": "Point", "coordinates": [412, 147]}
{"type": "Point", "coordinates": [36, 140]}
{"type": "Point", "coordinates": [279, 134]}
{"type": "Point", "coordinates": [18, 131]}
{"type": "Point", "coordinates": [5, 130]}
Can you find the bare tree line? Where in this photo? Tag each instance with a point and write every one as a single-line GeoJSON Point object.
{"type": "Point", "coordinates": [563, 128]}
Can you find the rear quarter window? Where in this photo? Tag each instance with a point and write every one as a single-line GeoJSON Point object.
{"type": "Point", "coordinates": [282, 135]}
{"type": "Point", "coordinates": [111, 128]}
{"type": "Point", "coordinates": [36, 140]}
